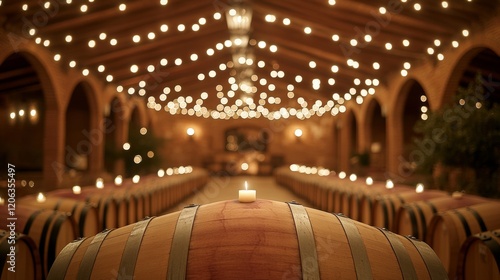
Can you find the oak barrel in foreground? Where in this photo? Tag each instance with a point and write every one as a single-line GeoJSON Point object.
{"type": "Point", "coordinates": [259, 240]}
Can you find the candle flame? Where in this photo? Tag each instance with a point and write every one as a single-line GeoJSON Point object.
{"type": "Point", "coordinates": [40, 197]}
{"type": "Point", "coordinates": [99, 183]}
{"type": "Point", "coordinates": [118, 180]}
{"type": "Point", "coordinates": [419, 188]}
{"type": "Point", "coordinates": [77, 190]}
{"type": "Point", "coordinates": [246, 185]}
{"type": "Point", "coordinates": [369, 181]}
{"type": "Point", "coordinates": [389, 184]}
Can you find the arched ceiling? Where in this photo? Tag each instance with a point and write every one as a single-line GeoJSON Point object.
{"type": "Point", "coordinates": [400, 32]}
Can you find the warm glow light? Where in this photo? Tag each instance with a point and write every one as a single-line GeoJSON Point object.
{"type": "Point", "coordinates": [77, 190]}
{"type": "Point", "coordinates": [298, 132]}
{"type": "Point", "coordinates": [136, 179]}
{"type": "Point", "coordinates": [353, 177]}
{"type": "Point", "coordinates": [369, 181]}
{"type": "Point", "coordinates": [118, 180]}
{"type": "Point", "coordinates": [247, 195]}
{"type": "Point", "coordinates": [342, 175]}
{"type": "Point", "coordinates": [2, 201]}
{"type": "Point", "coordinates": [161, 173]}
{"type": "Point", "coordinates": [244, 166]}
{"type": "Point", "coordinates": [99, 183]}
{"type": "Point", "coordinates": [190, 131]}
{"type": "Point", "coordinates": [126, 146]}
{"type": "Point", "coordinates": [419, 188]}
{"type": "Point", "coordinates": [389, 184]}
{"type": "Point", "coordinates": [41, 198]}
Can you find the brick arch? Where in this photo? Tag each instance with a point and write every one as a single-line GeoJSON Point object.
{"type": "Point", "coordinates": [461, 64]}
{"type": "Point", "coordinates": [371, 119]}
{"type": "Point", "coordinates": [90, 139]}
{"type": "Point", "coordinates": [52, 154]}
{"type": "Point", "coordinates": [346, 143]}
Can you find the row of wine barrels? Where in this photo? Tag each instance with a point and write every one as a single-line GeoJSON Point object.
{"type": "Point", "coordinates": [259, 240]}
{"type": "Point", "coordinates": [386, 206]}
{"type": "Point", "coordinates": [414, 218]}
{"type": "Point", "coordinates": [449, 230]}
{"type": "Point", "coordinates": [118, 206]}
{"type": "Point", "coordinates": [84, 214]}
{"type": "Point", "coordinates": [480, 257]}
{"type": "Point", "coordinates": [22, 263]}
{"type": "Point", "coordinates": [51, 230]}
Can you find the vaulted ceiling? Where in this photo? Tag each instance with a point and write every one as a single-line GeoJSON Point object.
{"type": "Point", "coordinates": [181, 47]}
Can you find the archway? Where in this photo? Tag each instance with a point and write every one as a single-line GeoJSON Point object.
{"type": "Point", "coordinates": [22, 107]}
{"type": "Point", "coordinates": [376, 139]}
{"type": "Point", "coordinates": [79, 142]}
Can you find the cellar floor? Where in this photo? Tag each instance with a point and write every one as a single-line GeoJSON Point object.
{"type": "Point", "coordinates": [226, 188]}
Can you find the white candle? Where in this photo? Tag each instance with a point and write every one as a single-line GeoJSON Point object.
{"type": "Point", "coordinates": [40, 198]}
{"type": "Point", "coordinates": [369, 181]}
{"type": "Point", "coordinates": [99, 183]}
{"type": "Point", "coordinates": [247, 195]}
{"type": "Point", "coordinates": [389, 184]}
{"type": "Point", "coordinates": [419, 188]}
{"type": "Point", "coordinates": [77, 190]}
{"type": "Point", "coordinates": [118, 180]}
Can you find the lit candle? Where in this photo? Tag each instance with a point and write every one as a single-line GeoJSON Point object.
{"type": "Point", "coordinates": [136, 179]}
{"type": "Point", "coordinates": [77, 190]}
{"type": "Point", "coordinates": [389, 184]}
{"type": "Point", "coordinates": [99, 183]}
{"type": "Point", "coordinates": [247, 195]}
{"type": "Point", "coordinates": [419, 188]}
{"type": "Point", "coordinates": [369, 181]}
{"type": "Point", "coordinates": [353, 177]}
{"type": "Point", "coordinates": [118, 180]}
{"type": "Point", "coordinates": [40, 198]}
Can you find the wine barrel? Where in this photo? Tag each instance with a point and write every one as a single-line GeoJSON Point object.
{"type": "Point", "coordinates": [449, 229]}
{"type": "Point", "coordinates": [385, 207]}
{"type": "Point", "coordinates": [51, 230]}
{"type": "Point", "coordinates": [480, 257]}
{"type": "Point", "coordinates": [259, 240]}
{"type": "Point", "coordinates": [413, 218]}
{"type": "Point", "coordinates": [370, 194]}
{"type": "Point", "coordinates": [84, 214]}
{"type": "Point", "coordinates": [111, 214]}
{"type": "Point", "coordinates": [25, 259]}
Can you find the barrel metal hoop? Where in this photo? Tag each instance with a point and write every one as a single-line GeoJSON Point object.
{"type": "Point", "coordinates": [177, 262]}
{"type": "Point", "coordinates": [61, 264]}
{"type": "Point", "coordinates": [358, 249]}
{"type": "Point", "coordinates": [465, 225]}
{"type": "Point", "coordinates": [479, 219]}
{"type": "Point", "coordinates": [434, 266]}
{"type": "Point", "coordinates": [423, 222]}
{"type": "Point", "coordinates": [413, 219]}
{"type": "Point", "coordinates": [54, 234]}
{"type": "Point", "coordinates": [88, 260]}
{"type": "Point", "coordinates": [132, 246]}
{"type": "Point", "coordinates": [307, 245]}
{"type": "Point", "coordinates": [405, 263]}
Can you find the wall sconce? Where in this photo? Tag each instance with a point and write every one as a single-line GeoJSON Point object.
{"type": "Point", "coordinates": [298, 133]}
